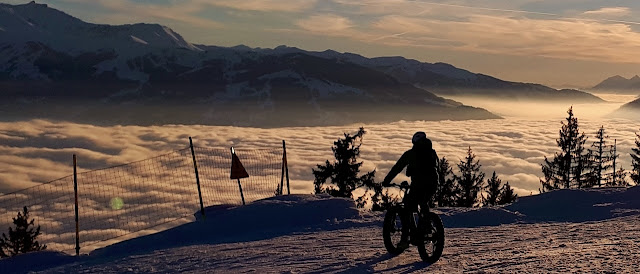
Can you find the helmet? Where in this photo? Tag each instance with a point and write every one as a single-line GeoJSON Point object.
{"type": "Point", "coordinates": [418, 136]}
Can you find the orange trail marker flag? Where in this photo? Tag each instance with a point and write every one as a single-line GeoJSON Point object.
{"type": "Point", "coordinates": [237, 169]}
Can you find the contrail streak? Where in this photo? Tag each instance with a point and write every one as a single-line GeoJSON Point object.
{"type": "Point", "coordinates": [529, 12]}
{"type": "Point", "coordinates": [389, 36]}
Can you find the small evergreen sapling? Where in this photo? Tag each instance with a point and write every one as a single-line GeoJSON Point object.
{"type": "Point", "coordinates": [448, 192]}
{"type": "Point", "coordinates": [22, 239]}
{"type": "Point", "coordinates": [494, 190]}
{"type": "Point", "coordinates": [635, 161]}
{"type": "Point", "coordinates": [498, 194]}
{"type": "Point", "coordinates": [618, 176]}
{"type": "Point", "coordinates": [599, 160]}
{"type": "Point", "coordinates": [507, 196]}
{"type": "Point", "coordinates": [470, 180]}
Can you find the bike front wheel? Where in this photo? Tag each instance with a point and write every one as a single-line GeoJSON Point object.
{"type": "Point", "coordinates": [392, 231]}
{"type": "Point", "coordinates": [431, 238]}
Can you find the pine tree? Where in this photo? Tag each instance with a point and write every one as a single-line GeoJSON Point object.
{"type": "Point", "coordinates": [635, 161]}
{"type": "Point", "coordinates": [448, 191]}
{"type": "Point", "coordinates": [22, 239]}
{"type": "Point", "coordinates": [618, 177]}
{"type": "Point", "coordinates": [599, 158]}
{"type": "Point", "coordinates": [470, 180]}
{"type": "Point", "coordinates": [506, 195]}
{"type": "Point", "coordinates": [567, 168]}
{"type": "Point", "coordinates": [494, 190]}
{"type": "Point", "coordinates": [343, 172]}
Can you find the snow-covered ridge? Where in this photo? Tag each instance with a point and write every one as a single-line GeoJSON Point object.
{"type": "Point", "coordinates": [60, 31]}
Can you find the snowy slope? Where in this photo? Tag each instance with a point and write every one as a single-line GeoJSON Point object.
{"type": "Point", "coordinates": [562, 231]}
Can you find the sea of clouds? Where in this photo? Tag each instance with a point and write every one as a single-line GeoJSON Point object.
{"type": "Point", "coordinates": [33, 152]}
{"type": "Point", "coordinates": [38, 151]}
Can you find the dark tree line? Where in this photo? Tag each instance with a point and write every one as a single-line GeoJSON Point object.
{"type": "Point", "coordinates": [578, 167]}
{"type": "Point", "coordinates": [341, 177]}
{"type": "Point", "coordinates": [465, 188]}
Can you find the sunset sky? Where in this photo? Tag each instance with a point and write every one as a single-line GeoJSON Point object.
{"type": "Point", "coordinates": [569, 43]}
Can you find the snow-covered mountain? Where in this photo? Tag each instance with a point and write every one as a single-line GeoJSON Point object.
{"type": "Point", "coordinates": [447, 80]}
{"type": "Point", "coordinates": [63, 68]}
{"type": "Point", "coordinates": [62, 32]}
{"type": "Point", "coordinates": [53, 63]}
{"type": "Point", "coordinates": [620, 84]}
{"type": "Point", "coordinates": [588, 230]}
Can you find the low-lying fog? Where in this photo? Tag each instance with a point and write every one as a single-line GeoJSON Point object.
{"type": "Point", "coordinates": [38, 151]}
{"type": "Point", "coordinates": [539, 110]}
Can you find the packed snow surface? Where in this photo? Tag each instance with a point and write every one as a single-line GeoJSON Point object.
{"type": "Point", "coordinates": [562, 231]}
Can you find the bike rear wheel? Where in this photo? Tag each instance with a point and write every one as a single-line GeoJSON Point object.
{"type": "Point", "coordinates": [431, 233]}
{"type": "Point", "coordinates": [392, 231]}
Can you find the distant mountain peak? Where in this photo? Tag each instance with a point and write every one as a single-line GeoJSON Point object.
{"type": "Point", "coordinates": [34, 4]}
{"type": "Point", "coordinates": [60, 31]}
{"type": "Point", "coordinates": [616, 77]}
{"type": "Point", "coordinates": [618, 82]}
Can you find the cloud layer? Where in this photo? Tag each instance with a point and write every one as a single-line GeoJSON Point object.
{"type": "Point", "coordinates": [161, 189]}
{"type": "Point", "coordinates": [39, 151]}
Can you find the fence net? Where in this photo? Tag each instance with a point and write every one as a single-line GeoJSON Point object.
{"type": "Point", "coordinates": [263, 166]}
{"type": "Point", "coordinates": [51, 205]}
{"type": "Point", "coordinates": [139, 196]}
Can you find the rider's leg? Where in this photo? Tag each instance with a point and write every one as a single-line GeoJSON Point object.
{"type": "Point", "coordinates": [409, 225]}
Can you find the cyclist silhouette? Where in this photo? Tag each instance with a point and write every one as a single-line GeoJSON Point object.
{"type": "Point", "coordinates": [421, 162]}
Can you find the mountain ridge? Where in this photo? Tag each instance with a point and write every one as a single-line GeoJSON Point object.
{"type": "Point", "coordinates": [620, 84]}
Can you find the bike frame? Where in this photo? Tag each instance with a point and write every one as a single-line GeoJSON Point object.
{"type": "Point", "coordinates": [404, 186]}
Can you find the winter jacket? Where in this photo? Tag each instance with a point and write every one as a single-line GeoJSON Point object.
{"type": "Point", "coordinates": [421, 162]}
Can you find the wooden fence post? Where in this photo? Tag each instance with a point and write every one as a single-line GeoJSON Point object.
{"type": "Point", "coordinates": [286, 166]}
{"type": "Point", "coordinates": [75, 190]}
{"type": "Point", "coordinates": [195, 166]}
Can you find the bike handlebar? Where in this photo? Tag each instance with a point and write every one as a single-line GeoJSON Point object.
{"type": "Point", "coordinates": [403, 185]}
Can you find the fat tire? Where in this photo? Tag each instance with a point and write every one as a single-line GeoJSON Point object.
{"type": "Point", "coordinates": [437, 236]}
{"type": "Point", "coordinates": [388, 228]}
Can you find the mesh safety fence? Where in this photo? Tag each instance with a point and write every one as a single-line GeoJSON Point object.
{"type": "Point", "coordinates": [139, 196]}
{"type": "Point", "coordinates": [263, 166]}
{"type": "Point", "coordinates": [51, 205]}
